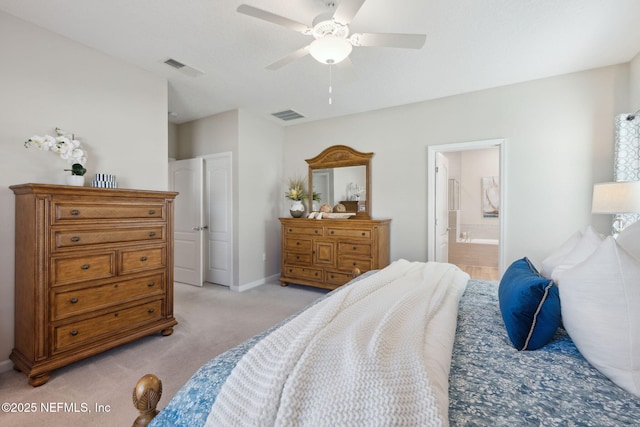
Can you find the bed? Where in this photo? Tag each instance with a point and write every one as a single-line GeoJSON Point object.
{"type": "Point", "coordinates": [490, 382]}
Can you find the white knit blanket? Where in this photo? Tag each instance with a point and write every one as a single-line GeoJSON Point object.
{"type": "Point", "coordinates": [375, 353]}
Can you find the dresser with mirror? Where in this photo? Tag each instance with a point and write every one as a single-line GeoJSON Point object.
{"type": "Point", "coordinates": [346, 241]}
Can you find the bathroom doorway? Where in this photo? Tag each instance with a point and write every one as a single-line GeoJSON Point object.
{"type": "Point", "coordinates": [471, 210]}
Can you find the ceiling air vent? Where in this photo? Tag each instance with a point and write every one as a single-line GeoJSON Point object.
{"type": "Point", "coordinates": [288, 115]}
{"type": "Point", "coordinates": [174, 63]}
{"type": "Point", "coordinates": [190, 71]}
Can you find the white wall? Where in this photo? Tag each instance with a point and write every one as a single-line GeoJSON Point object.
{"type": "Point", "coordinates": [119, 113]}
{"type": "Point", "coordinates": [559, 134]}
{"type": "Point", "coordinates": [172, 140]}
{"type": "Point", "coordinates": [260, 158]}
{"type": "Point", "coordinates": [256, 145]}
{"type": "Point", "coordinates": [634, 84]}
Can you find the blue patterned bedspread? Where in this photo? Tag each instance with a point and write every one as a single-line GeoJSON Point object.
{"type": "Point", "coordinates": [491, 384]}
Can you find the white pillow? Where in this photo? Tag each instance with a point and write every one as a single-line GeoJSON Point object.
{"type": "Point", "coordinates": [552, 261]}
{"type": "Point", "coordinates": [600, 304]}
{"type": "Point", "coordinates": [584, 248]}
{"type": "Point", "coordinates": [629, 239]}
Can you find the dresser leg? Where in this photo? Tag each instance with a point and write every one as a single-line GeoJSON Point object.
{"type": "Point", "coordinates": [283, 284]}
{"type": "Point", "coordinates": [166, 332]}
{"type": "Point", "coordinates": [39, 380]}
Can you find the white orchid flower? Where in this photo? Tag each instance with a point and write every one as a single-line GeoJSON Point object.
{"type": "Point", "coordinates": [64, 144]}
{"type": "Point", "coordinates": [49, 142]}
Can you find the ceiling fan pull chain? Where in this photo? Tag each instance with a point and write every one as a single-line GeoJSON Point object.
{"type": "Point", "coordinates": [330, 88]}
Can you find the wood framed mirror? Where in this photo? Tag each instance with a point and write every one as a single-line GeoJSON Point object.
{"type": "Point", "coordinates": [341, 175]}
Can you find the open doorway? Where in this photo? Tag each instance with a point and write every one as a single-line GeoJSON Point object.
{"type": "Point", "coordinates": [466, 206]}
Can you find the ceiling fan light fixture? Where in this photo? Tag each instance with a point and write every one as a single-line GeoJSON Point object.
{"type": "Point", "coordinates": [330, 49]}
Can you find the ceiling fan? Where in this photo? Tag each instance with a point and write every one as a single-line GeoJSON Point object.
{"type": "Point", "coordinates": [333, 42]}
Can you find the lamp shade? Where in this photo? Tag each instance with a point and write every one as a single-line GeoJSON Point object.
{"type": "Point", "coordinates": [616, 197]}
{"type": "Point", "coordinates": [330, 49]}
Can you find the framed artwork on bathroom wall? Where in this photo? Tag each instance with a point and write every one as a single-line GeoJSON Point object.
{"type": "Point", "coordinates": [490, 196]}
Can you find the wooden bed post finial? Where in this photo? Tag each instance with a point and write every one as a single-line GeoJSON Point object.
{"type": "Point", "coordinates": [146, 395]}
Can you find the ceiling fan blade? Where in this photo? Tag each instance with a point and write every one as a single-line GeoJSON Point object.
{"type": "Point", "coordinates": [346, 10]}
{"type": "Point", "coordinates": [272, 17]}
{"type": "Point", "coordinates": [289, 58]}
{"type": "Point", "coordinates": [411, 41]}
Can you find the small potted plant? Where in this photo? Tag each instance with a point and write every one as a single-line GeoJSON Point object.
{"type": "Point", "coordinates": [296, 193]}
{"type": "Point", "coordinates": [68, 148]}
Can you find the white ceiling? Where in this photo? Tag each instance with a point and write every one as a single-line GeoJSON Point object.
{"type": "Point", "coordinates": [471, 45]}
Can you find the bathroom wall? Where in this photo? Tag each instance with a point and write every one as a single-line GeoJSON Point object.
{"type": "Point", "coordinates": [469, 167]}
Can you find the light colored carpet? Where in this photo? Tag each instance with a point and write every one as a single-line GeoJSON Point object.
{"type": "Point", "coordinates": [211, 320]}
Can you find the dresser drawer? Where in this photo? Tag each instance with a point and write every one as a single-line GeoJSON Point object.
{"type": "Point", "coordinates": [360, 249]}
{"type": "Point", "coordinates": [294, 272]}
{"type": "Point", "coordinates": [337, 277]}
{"type": "Point", "coordinates": [76, 333]}
{"type": "Point", "coordinates": [82, 267]}
{"type": "Point", "coordinates": [297, 258]}
{"type": "Point", "coordinates": [298, 244]}
{"type": "Point", "coordinates": [71, 302]}
{"type": "Point", "coordinates": [349, 264]}
{"type": "Point", "coordinates": [67, 211]}
{"type": "Point", "coordinates": [304, 231]}
{"type": "Point", "coordinates": [73, 238]}
{"type": "Point", "coordinates": [349, 232]}
{"type": "Point", "coordinates": [142, 259]}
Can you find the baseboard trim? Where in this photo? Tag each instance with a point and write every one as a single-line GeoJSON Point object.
{"type": "Point", "coordinates": [255, 284]}
{"type": "Point", "coordinates": [6, 366]}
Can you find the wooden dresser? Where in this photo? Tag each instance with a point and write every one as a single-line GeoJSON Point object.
{"type": "Point", "coordinates": [93, 270]}
{"type": "Point", "coordinates": [328, 253]}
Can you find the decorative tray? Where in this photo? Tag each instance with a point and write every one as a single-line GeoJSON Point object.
{"type": "Point", "coordinates": [338, 215]}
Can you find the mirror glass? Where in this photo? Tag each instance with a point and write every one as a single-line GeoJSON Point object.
{"type": "Point", "coordinates": [340, 185]}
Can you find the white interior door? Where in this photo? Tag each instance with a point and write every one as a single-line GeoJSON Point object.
{"type": "Point", "coordinates": [442, 208]}
{"type": "Point", "coordinates": [186, 177]}
{"type": "Point", "coordinates": [218, 208]}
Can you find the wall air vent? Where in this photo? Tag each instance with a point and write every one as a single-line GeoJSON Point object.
{"type": "Point", "coordinates": [288, 115]}
{"type": "Point", "coordinates": [190, 71]}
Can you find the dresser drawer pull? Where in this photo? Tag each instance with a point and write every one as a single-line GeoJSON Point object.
{"type": "Point", "coordinates": [364, 234]}
{"type": "Point", "coordinates": [355, 263]}
{"type": "Point", "coordinates": [354, 248]}
{"type": "Point", "coordinates": [152, 234]}
{"type": "Point", "coordinates": [116, 314]}
{"type": "Point", "coordinates": [151, 284]}
{"type": "Point", "coordinates": [74, 332]}
{"type": "Point", "coordinates": [152, 212]}
{"type": "Point", "coordinates": [143, 258]}
{"type": "Point", "coordinates": [331, 231]}
{"type": "Point", "coordinates": [75, 239]}
{"type": "Point", "coordinates": [297, 243]}
{"type": "Point", "coordinates": [315, 231]}
{"type": "Point", "coordinates": [75, 212]}
{"type": "Point", "coordinates": [151, 310]}
{"type": "Point", "coordinates": [85, 266]}
{"type": "Point", "coordinates": [73, 300]}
